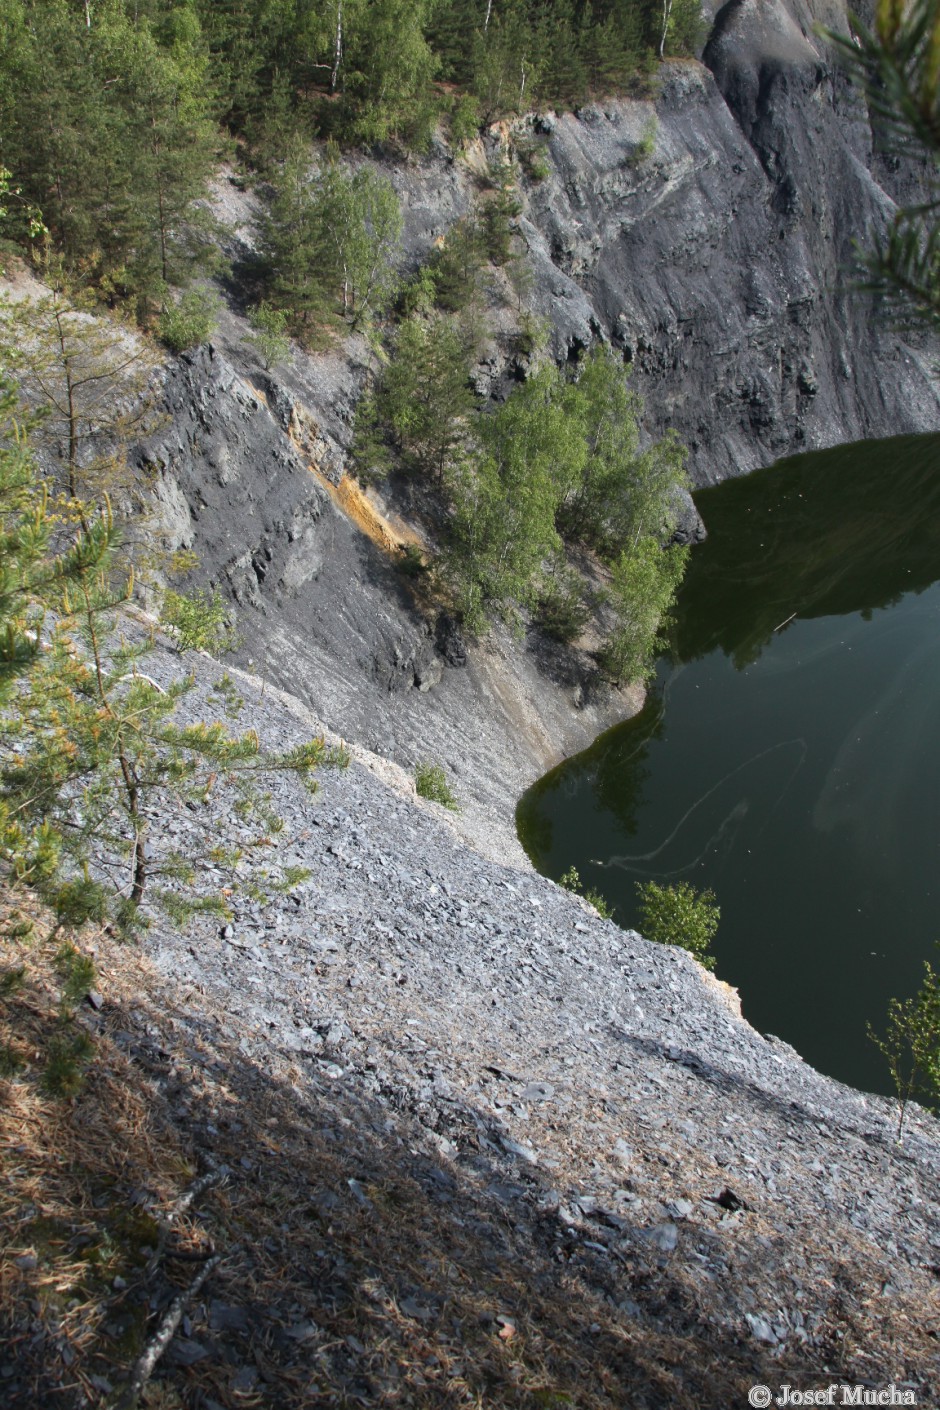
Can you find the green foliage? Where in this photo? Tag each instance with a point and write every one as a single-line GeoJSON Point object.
{"type": "Point", "coordinates": [370, 450]}
{"type": "Point", "coordinates": [110, 112]}
{"type": "Point", "coordinates": [560, 458]}
{"type": "Point", "coordinates": [431, 782]}
{"type": "Point", "coordinates": [411, 562]}
{"type": "Point", "coordinates": [31, 575]}
{"type": "Point", "coordinates": [681, 32]}
{"type": "Point", "coordinates": [387, 70]}
{"type": "Point", "coordinates": [108, 128]}
{"type": "Point", "coordinates": [198, 621]}
{"type": "Point", "coordinates": [77, 901]}
{"type": "Point", "coordinates": [365, 70]}
{"type": "Point", "coordinates": [87, 376]}
{"type": "Point", "coordinates": [898, 66]}
{"type": "Point", "coordinates": [911, 1045]}
{"type": "Point", "coordinates": [533, 157]}
{"type": "Point", "coordinates": [12, 980]}
{"type": "Point", "coordinates": [533, 335]}
{"type": "Point", "coordinates": [270, 334]}
{"type": "Point", "coordinates": [331, 238]}
{"type": "Point", "coordinates": [92, 754]}
{"type": "Point", "coordinates": [19, 218]}
{"type": "Point", "coordinates": [622, 495]}
{"type": "Point", "coordinates": [562, 608]}
{"type": "Point", "coordinates": [425, 395]}
{"type": "Point", "coordinates": [571, 881]}
{"type": "Point", "coordinates": [457, 266]}
{"type": "Point", "coordinates": [504, 497]}
{"type": "Point", "coordinates": [464, 120]}
{"type": "Point", "coordinates": [189, 320]}
{"type": "Point", "coordinates": [680, 915]}
{"type": "Point", "coordinates": [647, 144]}
{"type": "Point", "coordinates": [67, 1055]}
{"type": "Point", "coordinates": [643, 585]}
{"type": "Point", "coordinates": [497, 213]}
{"type": "Point", "coordinates": [75, 971]}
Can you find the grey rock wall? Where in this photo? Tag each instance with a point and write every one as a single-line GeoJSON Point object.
{"type": "Point", "coordinates": [720, 264]}
{"type": "Point", "coordinates": [241, 472]}
{"type": "Point", "coordinates": [714, 262]}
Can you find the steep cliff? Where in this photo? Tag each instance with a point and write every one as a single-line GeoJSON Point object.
{"type": "Point", "coordinates": [720, 263]}
{"type": "Point", "coordinates": [707, 236]}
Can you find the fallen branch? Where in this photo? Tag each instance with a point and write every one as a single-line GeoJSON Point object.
{"type": "Point", "coordinates": [189, 1255]}
{"type": "Point", "coordinates": [144, 1366]}
{"type": "Point", "coordinates": [178, 1207]}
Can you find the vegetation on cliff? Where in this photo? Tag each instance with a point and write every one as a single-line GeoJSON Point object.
{"type": "Point", "coordinates": [898, 66]}
{"type": "Point", "coordinates": [518, 490]}
{"type": "Point", "coordinates": [113, 115]}
{"type": "Point", "coordinates": [94, 754]}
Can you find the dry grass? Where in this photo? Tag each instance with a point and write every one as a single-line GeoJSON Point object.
{"type": "Point", "coordinates": [359, 1268]}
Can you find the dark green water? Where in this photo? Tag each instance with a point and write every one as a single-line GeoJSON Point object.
{"type": "Point", "coordinates": [789, 753]}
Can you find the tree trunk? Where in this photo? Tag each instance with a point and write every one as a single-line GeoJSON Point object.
{"type": "Point", "coordinates": [667, 11]}
{"type": "Point", "coordinates": [338, 51]}
{"type": "Point", "coordinates": [132, 792]}
{"type": "Point", "coordinates": [71, 408]}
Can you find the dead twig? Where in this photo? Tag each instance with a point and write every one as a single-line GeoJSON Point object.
{"type": "Point", "coordinates": [179, 1206]}
{"type": "Point", "coordinates": [144, 1365]}
{"type": "Point", "coordinates": [190, 1255]}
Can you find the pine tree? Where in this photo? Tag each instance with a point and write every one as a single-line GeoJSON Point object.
{"type": "Point", "coordinates": [295, 240]}
{"type": "Point", "coordinates": [173, 147]}
{"type": "Point", "coordinates": [32, 577]}
{"type": "Point", "coordinates": [425, 394]}
{"type": "Point", "coordinates": [94, 757]}
{"type": "Point", "coordinates": [898, 66]}
{"type": "Point", "coordinates": [108, 128]}
{"type": "Point", "coordinates": [87, 376]}
{"type": "Point", "coordinates": [332, 238]}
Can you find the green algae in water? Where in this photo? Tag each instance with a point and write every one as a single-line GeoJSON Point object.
{"type": "Point", "coordinates": [789, 753]}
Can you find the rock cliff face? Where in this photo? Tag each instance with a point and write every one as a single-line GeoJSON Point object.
{"type": "Point", "coordinates": [706, 237]}
{"type": "Point", "coordinates": [719, 263]}
{"type": "Point", "coordinates": [246, 476]}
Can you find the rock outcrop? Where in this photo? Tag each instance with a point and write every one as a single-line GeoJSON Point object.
{"type": "Point", "coordinates": [706, 236]}
{"type": "Point", "coordinates": [719, 264]}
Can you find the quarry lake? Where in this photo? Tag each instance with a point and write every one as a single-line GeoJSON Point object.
{"type": "Point", "coordinates": [788, 755]}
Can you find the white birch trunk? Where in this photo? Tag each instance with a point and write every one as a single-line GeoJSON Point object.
{"type": "Point", "coordinates": [667, 11]}
{"type": "Point", "coordinates": [338, 50]}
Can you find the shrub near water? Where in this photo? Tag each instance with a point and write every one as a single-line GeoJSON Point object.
{"type": "Point", "coordinates": [680, 915]}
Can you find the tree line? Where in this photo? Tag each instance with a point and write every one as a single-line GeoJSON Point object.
{"type": "Point", "coordinates": [113, 113]}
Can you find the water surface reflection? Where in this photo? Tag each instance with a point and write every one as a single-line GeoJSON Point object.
{"type": "Point", "coordinates": [789, 752]}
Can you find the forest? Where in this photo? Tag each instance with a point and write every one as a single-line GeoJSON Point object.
{"type": "Point", "coordinates": [115, 116]}
{"type": "Point", "coordinates": [113, 113]}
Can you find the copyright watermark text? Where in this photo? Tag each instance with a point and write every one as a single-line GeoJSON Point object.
{"type": "Point", "coordinates": [787, 1395]}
